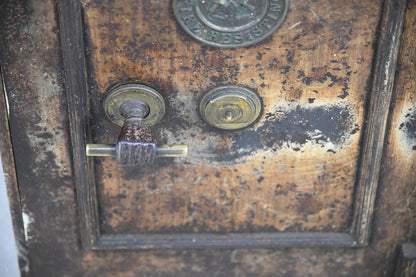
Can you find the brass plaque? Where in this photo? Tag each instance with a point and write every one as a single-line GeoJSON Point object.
{"type": "Point", "coordinates": [230, 23]}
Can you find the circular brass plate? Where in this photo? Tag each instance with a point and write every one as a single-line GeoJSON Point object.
{"type": "Point", "coordinates": [230, 23]}
{"type": "Point", "coordinates": [134, 92]}
{"type": "Point", "coordinates": [230, 107]}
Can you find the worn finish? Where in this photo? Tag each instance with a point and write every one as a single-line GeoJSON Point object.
{"type": "Point", "coordinates": [30, 58]}
{"type": "Point", "coordinates": [230, 107]}
{"type": "Point", "coordinates": [10, 179]}
{"type": "Point", "coordinates": [294, 170]}
{"type": "Point", "coordinates": [406, 266]}
{"type": "Point", "coordinates": [119, 95]}
{"type": "Point", "coordinates": [378, 110]}
{"type": "Point", "coordinates": [134, 107]}
{"type": "Point", "coordinates": [47, 185]}
{"type": "Point", "coordinates": [136, 144]}
{"type": "Point", "coordinates": [230, 24]}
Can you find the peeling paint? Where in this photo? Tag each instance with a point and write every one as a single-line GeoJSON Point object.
{"type": "Point", "coordinates": [408, 128]}
{"type": "Point", "coordinates": [28, 220]}
{"type": "Point", "coordinates": [291, 126]}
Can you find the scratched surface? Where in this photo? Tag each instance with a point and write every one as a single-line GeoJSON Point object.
{"type": "Point", "coordinates": [292, 170]}
{"type": "Point", "coordinates": [41, 148]}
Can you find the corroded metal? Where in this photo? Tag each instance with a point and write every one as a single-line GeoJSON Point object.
{"type": "Point", "coordinates": [132, 105]}
{"type": "Point", "coordinates": [136, 144]}
{"type": "Point", "coordinates": [230, 23]}
{"type": "Point", "coordinates": [230, 107]}
{"type": "Point", "coordinates": [134, 92]}
{"type": "Point", "coordinates": [162, 150]}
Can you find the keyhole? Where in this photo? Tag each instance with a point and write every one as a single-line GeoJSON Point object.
{"type": "Point", "coordinates": [229, 116]}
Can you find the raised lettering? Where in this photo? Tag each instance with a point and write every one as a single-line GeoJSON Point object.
{"type": "Point", "coordinates": [257, 31]}
{"type": "Point", "coordinates": [186, 9]}
{"type": "Point", "coordinates": [226, 38]}
{"type": "Point", "coordinates": [273, 16]}
{"type": "Point", "coordinates": [189, 18]}
{"type": "Point", "coordinates": [197, 28]}
{"type": "Point", "coordinates": [215, 36]}
{"type": "Point", "coordinates": [238, 38]}
{"type": "Point", "coordinates": [250, 36]}
{"type": "Point", "coordinates": [266, 23]}
{"type": "Point", "coordinates": [249, 28]}
{"type": "Point", "coordinates": [275, 7]}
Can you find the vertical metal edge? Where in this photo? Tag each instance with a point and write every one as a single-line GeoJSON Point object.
{"type": "Point", "coordinates": [75, 76]}
{"type": "Point", "coordinates": [12, 185]}
{"type": "Point", "coordinates": [390, 31]}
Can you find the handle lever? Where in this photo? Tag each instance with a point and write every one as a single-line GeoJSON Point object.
{"type": "Point", "coordinates": [162, 151]}
{"type": "Point", "coordinates": [136, 144]}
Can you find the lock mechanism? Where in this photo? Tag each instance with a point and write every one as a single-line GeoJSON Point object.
{"type": "Point", "coordinates": [134, 107]}
{"type": "Point", "coordinates": [230, 107]}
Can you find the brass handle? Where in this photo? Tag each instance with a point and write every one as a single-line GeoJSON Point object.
{"type": "Point", "coordinates": [162, 151]}
{"type": "Point", "coordinates": [136, 144]}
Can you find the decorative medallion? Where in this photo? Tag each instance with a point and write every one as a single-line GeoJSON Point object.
{"type": "Point", "coordinates": [230, 23]}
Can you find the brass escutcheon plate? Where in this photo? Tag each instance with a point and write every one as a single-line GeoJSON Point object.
{"type": "Point", "coordinates": [230, 107]}
{"type": "Point", "coordinates": [134, 92]}
{"type": "Point", "coordinates": [230, 23]}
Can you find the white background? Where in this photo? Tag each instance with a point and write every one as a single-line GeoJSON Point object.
{"type": "Point", "coordinates": [8, 253]}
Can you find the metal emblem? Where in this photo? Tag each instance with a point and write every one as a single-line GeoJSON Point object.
{"type": "Point", "coordinates": [230, 23]}
{"type": "Point", "coordinates": [230, 107]}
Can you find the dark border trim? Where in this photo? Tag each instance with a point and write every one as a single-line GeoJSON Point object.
{"type": "Point", "coordinates": [390, 32]}
{"type": "Point", "coordinates": [73, 55]}
{"type": "Point", "coordinates": [233, 240]}
{"type": "Point", "coordinates": [391, 26]}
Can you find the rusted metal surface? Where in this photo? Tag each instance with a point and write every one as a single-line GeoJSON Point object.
{"type": "Point", "coordinates": [136, 144]}
{"type": "Point", "coordinates": [42, 152]}
{"type": "Point", "coordinates": [30, 58]}
{"type": "Point", "coordinates": [293, 170]}
{"type": "Point", "coordinates": [374, 135]}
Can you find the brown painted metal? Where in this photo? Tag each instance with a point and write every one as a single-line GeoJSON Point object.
{"type": "Point", "coordinates": [144, 42]}
{"type": "Point", "coordinates": [366, 188]}
{"type": "Point", "coordinates": [303, 149]}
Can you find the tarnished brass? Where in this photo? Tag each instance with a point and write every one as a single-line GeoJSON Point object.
{"type": "Point", "coordinates": [230, 107]}
{"type": "Point", "coordinates": [133, 107]}
{"type": "Point", "coordinates": [134, 92]}
{"type": "Point", "coordinates": [162, 150]}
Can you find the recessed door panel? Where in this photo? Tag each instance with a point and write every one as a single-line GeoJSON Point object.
{"type": "Point", "coordinates": [292, 170]}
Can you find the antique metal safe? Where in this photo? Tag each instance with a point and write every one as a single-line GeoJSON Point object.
{"type": "Point", "coordinates": [210, 137]}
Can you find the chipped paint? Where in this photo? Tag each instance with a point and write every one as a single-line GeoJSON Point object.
{"type": "Point", "coordinates": [291, 126]}
{"type": "Point", "coordinates": [311, 76]}
{"type": "Point", "coordinates": [408, 128]}
{"type": "Point", "coordinates": [28, 220]}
